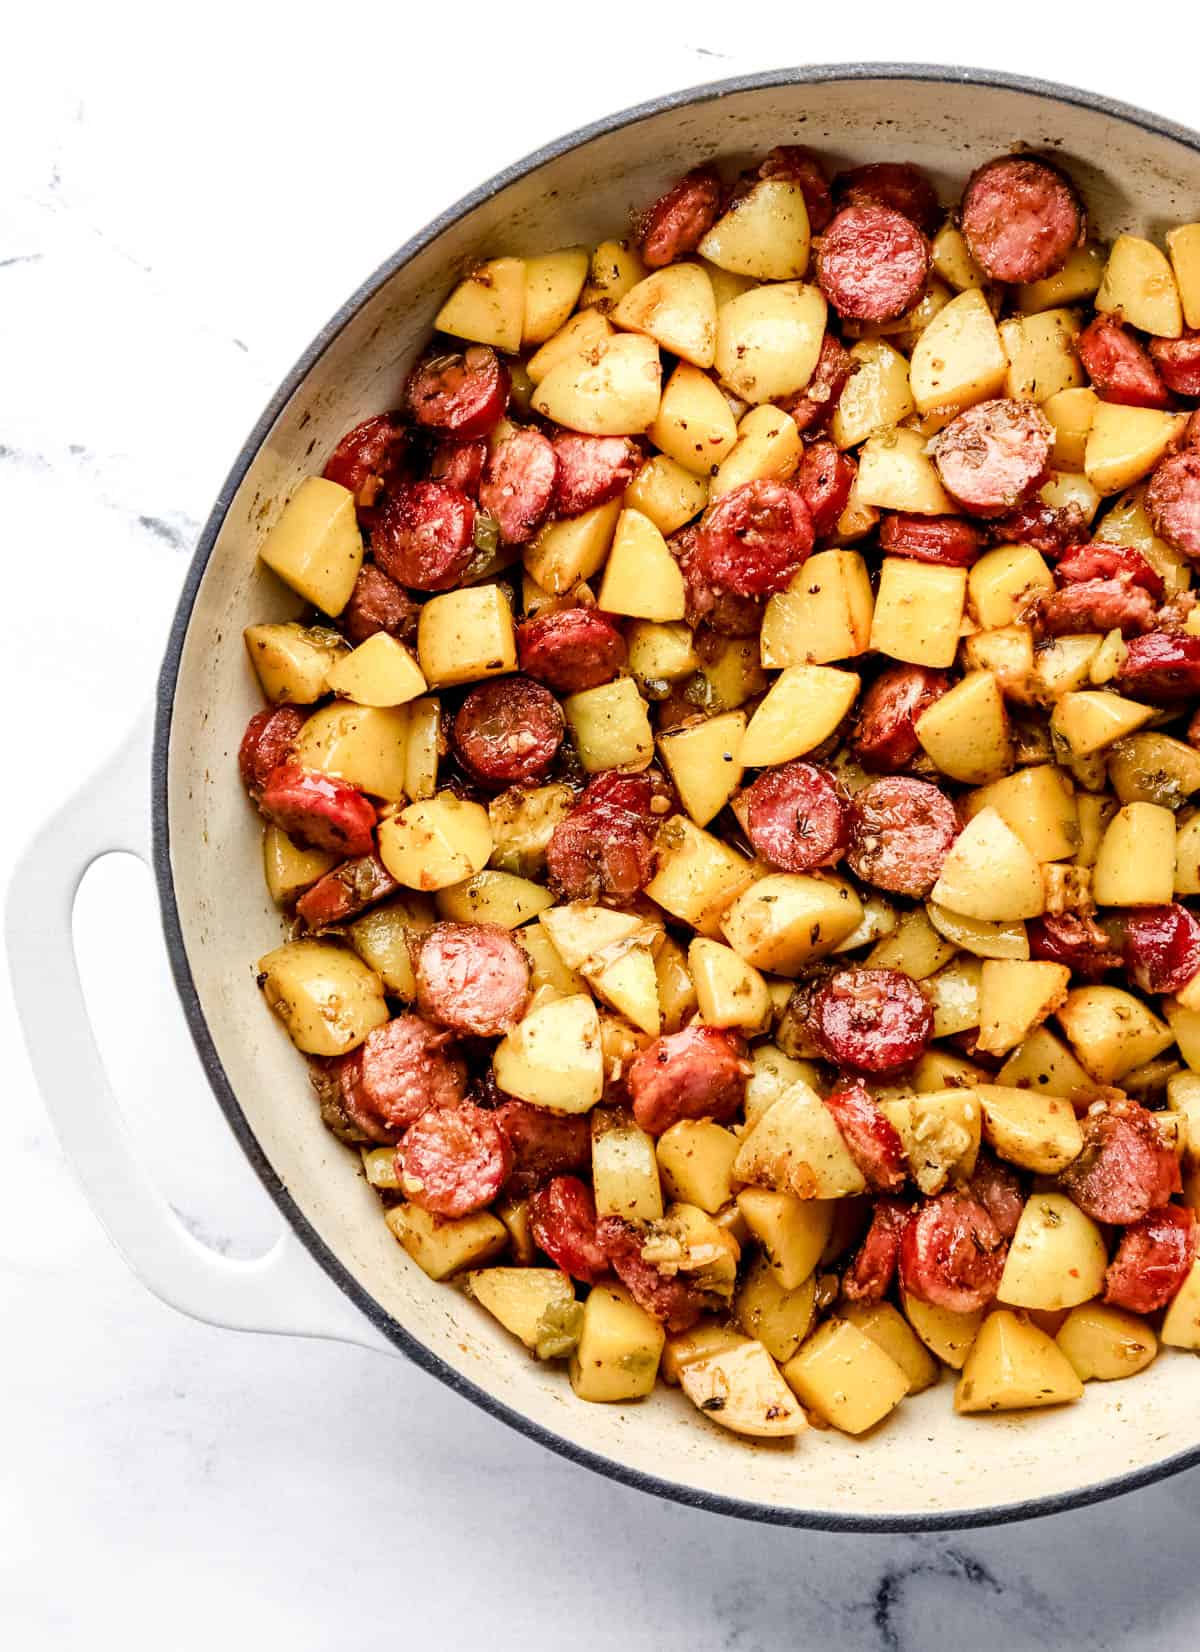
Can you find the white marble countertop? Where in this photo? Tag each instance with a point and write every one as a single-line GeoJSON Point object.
{"type": "Point", "coordinates": [184, 198]}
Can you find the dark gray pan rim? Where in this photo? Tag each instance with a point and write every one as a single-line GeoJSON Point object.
{"type": "Point", "coordinates": [739, 1508]}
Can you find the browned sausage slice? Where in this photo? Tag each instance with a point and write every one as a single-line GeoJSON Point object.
{"type": "Point", "coordinates": [871, 1020]}
{"type": "Point", "coordinates": [562, 1217]}
{"type": "Point", "coordinates": [401, 1070]}
{"type": "Point", "coordinates": [1178, 362]}
{"type": "Point", "coordinates": [873, 1265]}
{"type": "Point", "coordinates": [947, 540]}
{"type": "Point", "coordinates": [796, 817]}
{"type": "Point", "coordinates": [952, 1254]}
{"type": "Point", "coordinates": [993, 455]}
{"type": "Point", "coordinates": [1120, 370]}
{"type": "Point", "coordinates": [1021, 218]}
{"type": "Point", "coordinates": [901, 831]}
{"type": "Point", "coordinates": [873, 1140]}
{"type": "Point", "coordinates": [896, 184]}
{"type": "Point", "coordinates": [422, 535]}
{"type": "Point", "coordinates": [800, 166]}
{"type": "Point", "coordinates": [369, 457]}
{"type": "Point", "coordinates": [753, 539]}
{"type": "Point", "coordinates": [694, 1074]}
{"type": "Point", "coordinates": [376, 604]}
{"type": "Point", "coordinates": [460, 395]}
{"type": "Point", "coordinates": [508, 731]}
{"type": "Point", "coordinates": [824, 480]}
{"type": "Point", "coordinates": [543, 1144]}
{"type": "Point", "coordinates": [349, 888]}
{"type": "Point", "coordinates": [872, 263]}
{"type": "Point", "coordinates": [473, 978]}
{"type": "Point", "coordinates": [1152, 1261]}
{"type": "Point", "coordinates": [679, 220]}
{"type": "Point", "coordinates": [677, 1301]}
{"type": "Point", "coordinates": [268, 741]}
{"type": "Point", "coordinates": [886, 737]}
{"type": "Point", "coordinates": [319, 811]}
{"type": "Point", "coordinates": [518, 484]}
{"type": "Point", "coordinates": [572, 649]}
{"type": "Point", "coordinates": [813, 406]}
{"type": "Point", "coordinates": [453, 1160]}
{"type": "Point", "coordinates": [1126, 1167]}
{"type": "Point", "coordinates": [1163, 667]}
{"type": "Point", "coordinates": [591, 470]}
{"type": "Point", "coordinates": [1173, 500]}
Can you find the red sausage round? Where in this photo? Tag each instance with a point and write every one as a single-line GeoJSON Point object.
{"type": "Point", "coordinates": [572, 649]}
{"type": "Point", "coordinates": [1103, 561]}
{"type": "Point", "coordinates": [543, 1144]}
{"type": "Point", "coordinates": [947, 540]}
{"type": "Point", "coordinates": [349, 888]}
{"type": "Point", "coordinates": [601, 849]}
{"type": "Point", "coordinates": [873, 1140]}
{"type": "Point", "coordinates": [518, 484]}
{"type": "Point", "coordinates": [369, 457]}
{"type": "Point", "coordinates": [319, 811]}
{"type": "Point", "coordinates": [1125, 1168]}
{"type": "Point", "coordinates": [895, 184]}
{"type": "Point", "coordinates": [508, 730]}
{"type": "Point", "coordinates": [1078, 942]}
{"type": "Point", "coordinates": [459, 463]}
{"type": "Point", "coordinates": [376, 604]}
{"type": "Point", "coordinates": [796, 817]}
{"type": "Point", "coordinates": [824, 481]}
{"type": "Point", "coordinates": [901, 831]}
{"type": "Point", "coordinates": [453, 1160]}
{"type": "Point", "coordinates": [562, 1217]}
{"type": "Point", "coordinates": [460, 395]}
{"type": "Point", "coordinates": [1162, 667]}
{"type": "Point", "coordinates": [1120, 370]}
{"type": "Point", "coordinates": [1178, 362]}
{"type": "Point", "coordinates": [404, 1068]}
{"type": "Point", "coordinates": [1050, 529]}
{"type": "Point", "coordinates": [422, 535]}
{"type": "Point", "coordinates": [1096, 605]}
{"type": "Point", "coordinates": [800, 166]}
{"type": "Point", "coordinates": [872, 1268]}
{"type": "Point", "coordinates": [753, 539]}
{"type": "Point", "coordinates": [993, 455]}
{"type": "Point", "coordinates": [1162, 946]}
{"type": "Point", "coordinates": [1173, 500]}
{"type": "Point", "coordinates": [268, 741]}
{"type": "Point", "coordinates": [591, 470]}
{"type": "Point", "coordinates": [813, 406]}
{"type": "Point", "coordinates": [697, 1073]}
{"type": "Point", "coordinates": [871, 1020]}
{"type": "Point", "coordinates": [885, 737]}
{"type": "Point", "coordinates": [872, 263]}
{"type": "Point", "coordinates": [1020, 218]}
{"type": "Point", "coordinates": [999, 1192]}
{"type": "Point", "coordinates": [344, 1108]}
{"type": "Point", "coordinates": [676, 1301]}
{"type": "Point", "coordinates": [952, 1255]}
{"type": "Point", "coordinates": [473, 978]}
{"type": "Point", "coordinates": [679, 220]}
{"type": "Point", "coordinates": [1152, 1261]}
{"type": "Point", "coordinates": [723, 612]}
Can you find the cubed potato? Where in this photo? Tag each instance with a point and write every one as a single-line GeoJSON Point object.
{"type": "Point", "coordinates": [422, 748]}
{"type": "Point", "coordinates": [550, 977]}
{"type": "Point", "coordinates": [1127, 522]}
{"type": "Point", "coordinates": [1014, 997]}
{"type": "Point", "coordinates": [952, 259]}
{"type": "Point", "coordinates": [845, 1377]}
{"type": "Point", "coordinates": [895, 474]}
{"type": "Point", "coordinates": [675, 307]}
{"type": "Point", "coordinates": [1091, 720]}
{"type": "Point", "coordinates": [587, 937]}
{"type": "Point", "coordinates": [741, 1388]}
{"type": "Point", "coordinates": [324, 994]}
{"type": "Point", "coordinates": [522, 823]}
{"type": "Point", "coordinates": [619, 1348]}
{"type": "Point", "coordinates": [383, 937]}
{"type": "Point", "coordinates": [727, 676]}
{"type": "Point", "coordinates": [1125, 443]}
{"type": "Point", "coordinates": [610, 726]}
{"type": "Point", "coordinates": [793, 1232]}
{"type": "Point", "coordinates": [379, 1167]}
{"type": "Point", "coordinates": [888, 1329]}
{"type": "Point", "coordinates": [725, 284]}
{"type": "Point", "coordinates": [918, 610]}
{"type": "Point", "coordinates": [824, 613]}
{"type": "Point", "coordinates": [624, 1168]}
{"type": "Point", "coordinates": [628, 983]}
{"type": "Point", "coordinates": [667, 492]}
{"type": "Point", "coordinates": [492, 897]}
{"type": "Point", "coordinates": [1062, 666]}
{"type": "Point", "coordinates": [946, 1334]}
{"type": "Point", "coordinates": [1007, 653]}
{"type": "Point", "coordinates": [1033, 1129]}
{"type": "Point", "coordinates": [768, 448]}
{"type": "Point", "coordinates": [1071, 413]}
{"type": "Point", "coordinates": [856, 521]}
{"type": "Point", "coordinates": [576, 340]}
{"type": "Point", "coordinates": [729, 991]}
{"type": "Point", "coordinates": [1013, 1365]}
{"type": "Point", "coordinates": [1111, 1031]}
{"type": "Point", "coordinates": [292, 662]}
{"type": "Point", "coordinates": [977, 935]}
{"type": "Point", "coordinates": [694, 424]}
{"type": "Point", "coordinates": [706, 1337]}
{"type": "Point", "coordinates": [488, 305]}
{"type": "Point", "coordinates": [613, 391]}
{"type": "Point", "coordinates": [676, 992]}
{"type": "Point", "coordinates": [959, 359]}
{"type": "Point", "coordinates": [443, 1245]}
{"type": "Point", "coordinates": [641, 579]}
{"type": "Point", "coordinates": [553, 1057]}
{"type": "Point", "coordinates": [1139, 286]}
{"type": "Point", "coordinates": [1183, 246]}
{"type": "Point", "coordinates": [764, 233]}
{"type": "Point", "coordinates": [434, 844]}
{"type": "Point", "coordinates": [1154, 768]}
{"type": "Point", "coordinates": [1079, 278]}
{"type": "Point", "coordinates": [314, 544]}
{"type": "Point", "coordinates": [1003, 584]}
{"type": "Point", "coordinates": [1066, 487]}
{"type": "Point", "coordinates": [787, 919]}
{"type": "Point", "coordinates": [773, 1073]}
{"type": "Point", "coordinates": [362, 745]}
{"type": "Point", "coordinates": [1185, 1024]}
{"type": "Point", "coordinates": [1135, 865]}
{"type": "Point", "coordinates": [695, 1162]}
{"type": "Point", "coordinates": [942, 1070]}
{"type": "Point", "coordinates": [1038, 803]}
{"type": "Point", "coordinates": [288, 868]}
{"type": "Point", "coordinates": [1044, 1065]}
{"type": "Point", "coordinates": [768, 340]}
{"type": "Point", "coordinates": [876, 396]}
{"type": "Point", "coordinates": [702, 759]}
{"type": "Point", "coordinates": [536, 1304]}
{"type": "Point", "coordinates": [514, 1213]}
{"type": "Point", "coordinates": [965, 732]}
{"type": "Point", "coordinates": [1105, 1344]}
{"type": "Point", "coordinates": [1057, 1258]}
{"type": "Point", "coordinates": [1094, 814]}
{"type": "Point", "coordinates": [698, 876]}
{"type": "Point", "coordinates": [914, 947]}
{"type": "Point", "coordinates": [553, 283]}
{"type": "Point", "coordinates": [468, 634]}
{"type": "Point", "coordinates": [990, 874]}
{"type": "Point", "coordinates": [660, 655]}
{"type": "Point", "coordinates": [879, 919]}
{"type": "Point", "coordinates": [780, 1319]}
{"type": "Point", "coordinates": [379, 672]}
{"type": "Point", "coordinates": [560, 555]}
{"type": "Point", "coordinates": [941, 1132]}
{"type": "Point", "coordinates": [1187, 857]}
{"type": "Point", "coordinates": [801, 709]}
{"type": "Point", "coordinates": [954, 994]}
{"type": "Point", "coordinates": [796, 1147]}
{"type": "Point", "coordinates": [1181, 1323]}
{"type": "Point", "coordinates": [1041, 355]}
{"type": "Point", "coordinates": [615, 267]}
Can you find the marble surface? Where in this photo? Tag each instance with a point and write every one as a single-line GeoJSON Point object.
{"type": "Point", "coordinates": [183, 199]}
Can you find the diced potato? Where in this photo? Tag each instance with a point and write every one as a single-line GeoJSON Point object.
{"type": "Point", "coordinates": [613, 391]}
{"type": "Point", "coordinates": [1111, 1031]}
{"type": "Point", "coordinates": [586, 937]}
{"type": "Point", "coordinates": [488, 306]}
{"type": "Point", "coordinates": [990, 874]}
{"type": "Point", "coordinates": [1063, 665]}
{"type": "Point", "coordinates": [675, 307]}
{"type": "Point", "coordinates": [1187, 857]}
{"type": "Point", "coordinates": [624, 1168]}
{"type": "Point", "coordinates": [1041, 355]}
{"type": "Point", "coordinates": [676, 992]}
{"type": "Point", "coordinates": [642, 578]}
{"type": "Point", "coordinates": [1127, 522]}
{"type": "Point", "coordinates": [1094, 814]}
{"type": "Point", "coordinates": [1035, 1129]}
{"type": "Point", "coordinates": [467, 634]}
{"type": "Point", "coordinates": [941, 1070]}
{"type": "Point", "coordinates": [954, 994]}
{"type": "Point", "coordinates": [768, 448]}
{"type": "Point", "coordinates": [845, 1377]}
{"type": "Point", "coordinates": [801, 709]}
{"type": "Point", "coordinates": [1181, 1323]}
{"type": "Point", "coordinates": [553, 1057]}
{"type": "Point", "coordinates": [879, 919]}
{"type": "Point", "coordinates": [1043, 1064]}
{"type": "Point", "coordinates": [1135, 865]}
{"type": "Point", "coordinates": [1154, 768]}
{"type": "Point", "coordinates": [492, 897]}
{"type": "Point", "coordinates": [383, 938]}
{"type": "Point", "coordinates": [796, 1147]}
{"type": "Point", "coordinates": [857, 520]}
{"type": "Point", "coordinates": [887, 1329]}
{"type": "Point", "coordinates": [1057, 1258]}
{"type": "Point", "coordinates": [1003, 583]}
{"type": "Point", "coordinates": [616, 266]}
{"type": "Point", "coordinates": [941, 1132]}
{"type": "Point", "coordinates": [1014, 997]}
{"type": "Point", "coordinates": [1007, 653]}
{"type": "Point", "coordinates": [768, 340]}
{"type": "Point", "coordinates": [876, 395]}
{"type": "Point", "coordinates": [550, 977]}
{"type": "Point", "coordinates": [536, 1304]}
{"type": "Point", "coordinates": [694, 424]}
{"type": "Point", "coordinates": [1185, 1024]}
{"type": "Point", "coordinates": [793, 1232]}
{"type": "Point", "coordinates": [379, 1167]}
{"type": "Point", "coordinates": [667, 492]}
{"type": "Point", "coordinates": [706, 1337]}
{"type": "Point", "coordinates": [695, 1161]}
{"type": "Point", "coordinates": [702, 759]}
{"type": "Point", "coordinates": [1066, 487]}
{"type": "Point", "coordinates": [1012, 1365]}
{"type": "Point", "coordinates": [977, 935]}
{"type": "Point", "coordinates": [944, 1333]}
{"type": "Point", "coordinates": [288, 868]}
{"type": "Point", "coordinates": [292, 662]}
{"type": "Point", "coordinates": [514, 1213]}
{"type": "Point", "coordinates": [576, 340]}
{"type": "Point", "coordinates": [1139, 286]}
{"type": "Point", "coordinates": [965, 732]}
{"type": "Point", "coordinates": [619, 1347]}
{"type": "Point", "coordinates": [1039, 805]}
{"type": "Point", "coordinates": [918, 610]}
{"type": "Point", "coordinates": [1183, 246]}
{"type": "Point", "coordinates": [698, 876]}
{"type": "Point", "coordinates": [315, 546]}
{"type": "Point", "coordinates": [914, 947]}
{"type": "Point", "coordinates": [824, 613]}
{"type": "Point", "coordinates": [560, 555]}
{"type": "Point", "coordinates": [728, 675]}
{"type": "Point", "coordinates": [763, 234]}
{"type": "Point", "coordinates": [1125, 443]}
{"type": "Point", "coordinates": [1071, 413]}
{"type": "Point", "coordinates": [780, 1319]}
{"type": "Point", "coordinates": [952, 259]}
{"type": "Point", "coordinates": [787, 919]}
{"type": "Point", "coordinates": [610, 726]}
{"type": "Point", "coordinates": [1090, 721]}
{"type": "Point", "coordinates": [773, 1073]}
{"type": "Point", "coordinates": [895, 474]}
{"type": "Point", "coordinates": [959, 359]}
{"type": "Point", "coordinates": [725, 284]}
{"type": "Point", "coordinates": [379, 672]}
{"type": "Point", "coordinates": [522, 823]}
{"type": "Point", "coordinates": [422, 748]}
{"type": "Point", "coordinates": [628, 983]}
{"type": "Point", "coordinates": [324, 994]}
{"type": "Point", "coordinates": [1105, 1344]}
{"type": "Point", "coordinates": [729, 991]}
{"type": "Point", "coordinates": [434, 844]}
{"type": "Point", "coordinates": [660, 655]}
{"type": "Point", "coordinates": [443, 1245]}
{"type": "Point", "coordinates": [362, 745]}
{"type": "Point", "coordinates": [1078, 279]}
{"type": "Point", "coordinates": [553, 283]}
{"type": "Point", "coordinates": [741, 1388]}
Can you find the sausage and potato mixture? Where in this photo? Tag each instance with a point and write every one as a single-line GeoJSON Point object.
{"type": "Point", "coordinates": [733, 789]}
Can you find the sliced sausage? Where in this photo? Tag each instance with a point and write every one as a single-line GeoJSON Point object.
{"type": "Point", "coordinates": [325, 1075]}
{"type": "Point", "coordinates": [508, 731]}
{"type": "Point", "coordinates": [1020, 218]}
{"type": "Point", "coordinates": [675, 1300]}
{"type": "Point", "coordinates": [602, 848]}
{"type": "Point", "coordinates": [401, 1070]}
{"type": "Point", "coordinates": [952, 1254]}
{"type": "Point", "coordinates": [1162, 946]}
{"type": "Point", "coordinates": [797, 817]}
{"type": "Point", "coordinates": [459, 463]}
{"type": "Point", "coordinates": [319, 811]}
{"type": "Point", "coordinates": [1162, 667]}
{"type": "Point", "coordinates": [1173, 500]}
{"type": "Point", "coordinates": [679, 220]}
{"type": "Point", "coordinates": [473, 978]}
{"type": "Point", "coordinates": [268, 741]}
{"type": "Point", "coordinates": [369, 457]}
{"type": "Point", "coordinates": [895, 184]}
{"type": "Point", "coordinates": [800, 166]}
{"type": "Point", "coordinates": [1096, 605]}
{"type": "Point", "coordinates": [377, 604]}
{"type": "Point", "coordinates": [1050, 529]}
{"type": "Point", "coordinates": [723, 612]}
{"type": "Point", "coordinates": [697, 1073]}
{"type": "Point", "coordinates": [871, 1020]}
{"type": "Point", "coordinates": [422, 535]}
{"type": "Point", "coordinates": [901, 831]}
{"type": "Point", "coordinates": [460, 395]}
{"type": "Point", "coordinates": [453, 1160]}
{"type": "Point", "coordinates": [813, 406]}
{"type": "Point", "coordinates": [1153, 1259]}
{"type": "Point", "coordinates": [948, 541]}
{"type": "Point", "coordinates": [993, 455]}
{"type": "Point", "coordinates": [518, 484]}
{"type": "Point", "coordinates": [999, 1191]}
{"type": "Point", "coordinates": [872, 1268]}
{"type": "Point", "coordinates": [572, 649]}
{"type": "Point", "coordinates": [873, 1140]}
{"type": "Point", "coordinates": [562, 1218]}
{"type": "Point", "coordinates": [885, 737]}
{"type": "Point", "coordinates": [1178, 362]}
{"type": "Point", "coordinates": [1076, 941]}
{"type": "Point", "coordinates": [543, 1144]}
{"type": "Point", "coordinates": [872, 263]}
{"type": "Point", "coordinates": [591, 470]}
{"type": "Point", "coordinates": [349, 888]}
{"type": "Point", "coordinates": [1125, 1168]}
{"type": "Point", "coordinates": [1103, 561]}
{"type": "Point", "coordinates": [754, 538]}
{"type": "Point", "coordinates": [1120, 370]}
{"type": "Point", "coordinates": [824, 480]}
